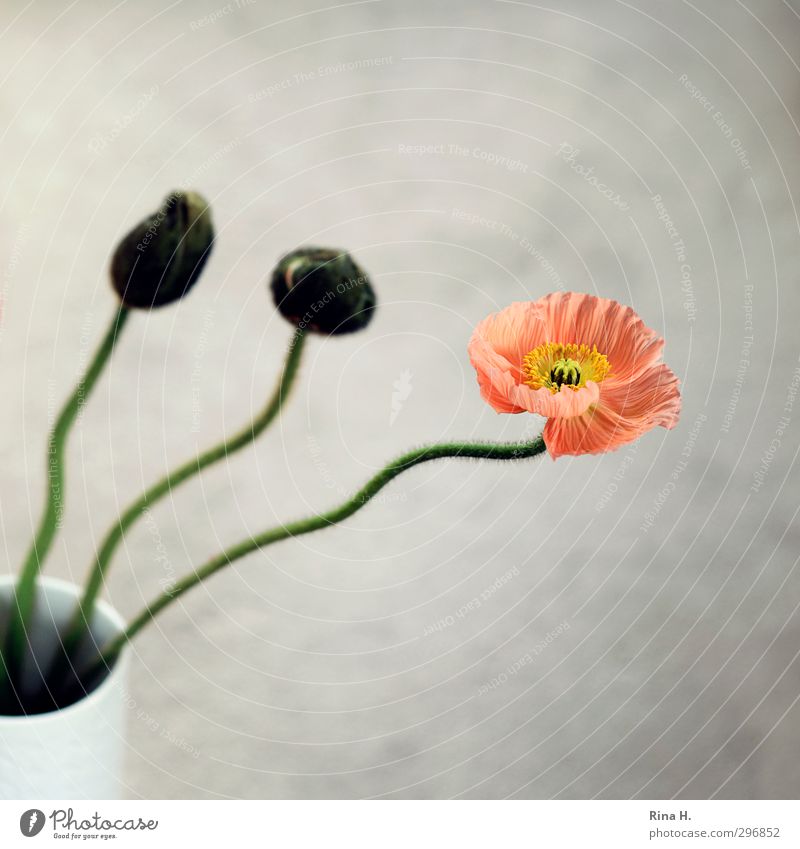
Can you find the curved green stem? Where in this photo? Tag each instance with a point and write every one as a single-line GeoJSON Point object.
{"type": "Point", "coordinates": [489, 451]}
{"type": "Point", "coordinates": [22, 606]}
{"type": "Point", "coordinates": [82, 616]}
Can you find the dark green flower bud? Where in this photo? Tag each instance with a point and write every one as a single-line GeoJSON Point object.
{"type": "Point", "coordinates": [323, 290]}
{"type": "Point", "coordinates": [162, 257]}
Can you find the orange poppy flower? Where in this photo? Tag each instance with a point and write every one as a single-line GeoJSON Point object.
{"type": "Point", "coordinates": [589, 365]}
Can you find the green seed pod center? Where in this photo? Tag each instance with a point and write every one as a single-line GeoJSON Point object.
{"type": "Point", "coordinates": [565, 372]}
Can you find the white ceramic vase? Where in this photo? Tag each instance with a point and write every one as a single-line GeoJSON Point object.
{"type": "Point", "coordinates": [76, 752]}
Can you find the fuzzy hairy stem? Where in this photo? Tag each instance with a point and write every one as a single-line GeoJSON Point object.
{"type": "Point", "coordinates": [79, 622]}
{"type": "Point", "coordinates": [25, 591]}
{"type": "Point", "coordinates": [503, 451]}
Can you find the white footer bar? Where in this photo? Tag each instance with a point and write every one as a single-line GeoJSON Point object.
{"type": "Point", "coordinates": [403, 824]}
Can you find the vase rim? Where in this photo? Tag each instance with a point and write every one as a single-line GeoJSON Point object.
{"type": "Point", "coordinates": [115, 674]}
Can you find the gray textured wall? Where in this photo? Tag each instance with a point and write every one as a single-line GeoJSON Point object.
{"type": "Point", "coordinates": [316, 668]}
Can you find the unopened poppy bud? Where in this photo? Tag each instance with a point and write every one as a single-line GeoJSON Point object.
{"type": "Point", "coordinates": [323, 290]}
{"type": "Point", "coordinates": [162, 257]}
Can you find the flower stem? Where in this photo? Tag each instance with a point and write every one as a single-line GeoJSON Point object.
{"type": "Point", "coordinates": [487, 451]}
{"type": "Point", "coordinates": [78, 626]}
{"type": "Point", "coordinates": [25, 592]}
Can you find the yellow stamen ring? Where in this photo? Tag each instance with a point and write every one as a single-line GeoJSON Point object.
{"type": "Point", "coordinates": [554, 365]}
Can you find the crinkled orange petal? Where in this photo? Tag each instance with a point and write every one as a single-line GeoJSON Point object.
{"type": "Point", "coordinates": [501, 385]}
{"type": "Point", "coordinates": [617, 331]}
{"type": "Point", "coordinates": [513, 332]}
{"type": "Point", "coordinates": [626, 410]}
{"type": "Point", "coordinates": [567, 402]}
{"type": "Point", "coordinates": [638, 394]}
